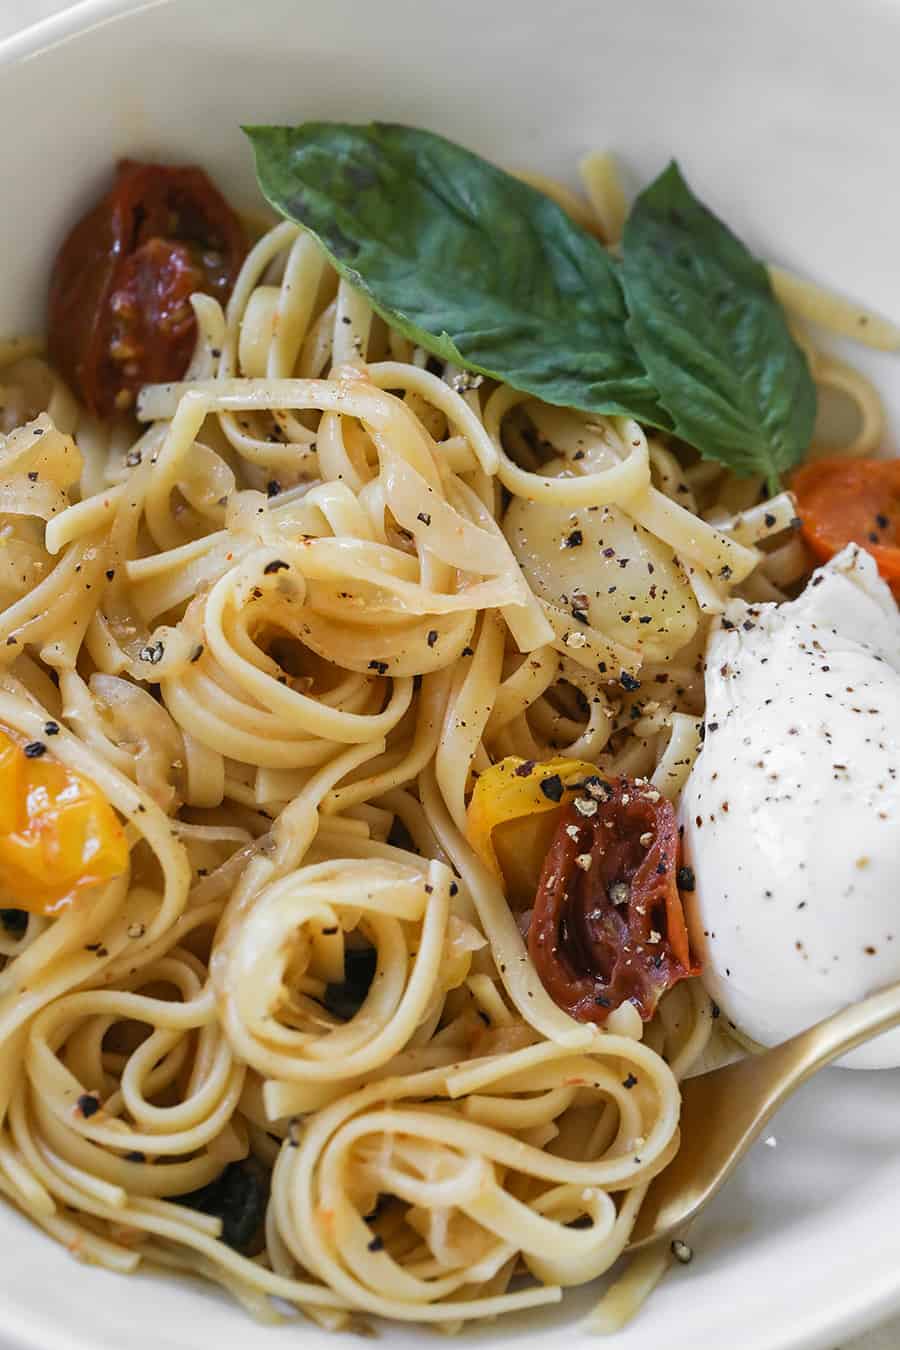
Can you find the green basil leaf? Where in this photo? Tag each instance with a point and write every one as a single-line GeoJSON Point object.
{"type": "Point", "coordinates": [712, 336]}
{"type": "Point", "coordinates": [462, 258]}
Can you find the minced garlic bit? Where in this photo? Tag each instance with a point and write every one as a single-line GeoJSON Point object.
{"type": "Point", "coordinates": [583, 860]}
{"type": "Point", "coordinates": [575, 640]}
{"type": "Point", "coordinates": [619, 892]}
{"type": "Point", "coordinates": [466, 380]}
{"type": "Point", "coordinates": [585, 806]}
{"type": "Point", "coordinates": [682, 1252]}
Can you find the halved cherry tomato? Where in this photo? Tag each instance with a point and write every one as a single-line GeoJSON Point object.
{"type": "Point", "coordinates": [608, 924]}
{"type": "Point", "coordinates": [58, 833]}
{"type": "Point", "coordinates": [119, 293]}
{"type": "Point", "coordinates": [513, 813]}
{"type": "Point", "coordinates": [843, 501]}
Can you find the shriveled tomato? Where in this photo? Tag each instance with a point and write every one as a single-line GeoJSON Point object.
{"type": "Point", "coordinates": [608, 925]}
{"type": "Point", "coordinates": [119, 312]}
{"type": "Point", "coordinates": [58, 833]}
{"type": "Point", "coordinates": [842, 501]}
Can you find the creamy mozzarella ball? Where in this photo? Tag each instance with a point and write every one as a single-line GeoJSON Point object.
{"type": "Point", "coordinates": [791, 814]}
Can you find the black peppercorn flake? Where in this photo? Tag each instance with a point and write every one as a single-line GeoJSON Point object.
{"type": "Point", "coordinates": [552, 787]}
{"type": "Point", "coordinates": [14, 921]}
{"type": "Point", "coordinates": [88, 1104]}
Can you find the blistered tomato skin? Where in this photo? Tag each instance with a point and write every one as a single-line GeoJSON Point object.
{"type": "Point", "coordinates": [58, 833]}
{"type": "Point", "coordinates": [608, 925]}
{"type": "Point", "coordinates": [842, 501]}
{"type": "Point", "coordinates": [120, 313]}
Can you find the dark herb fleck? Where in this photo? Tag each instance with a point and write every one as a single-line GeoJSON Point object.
{"type": "Point", "coordinates": [238, 1197]}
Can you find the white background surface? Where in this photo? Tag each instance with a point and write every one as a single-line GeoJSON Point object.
{"type": "Point", "coordinates": [17, 14]}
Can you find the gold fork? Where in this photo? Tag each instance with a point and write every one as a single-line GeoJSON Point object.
{"type": "Point", "coordinates": [724, 1112]}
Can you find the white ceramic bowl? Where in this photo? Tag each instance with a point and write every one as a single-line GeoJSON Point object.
{"type": "Point", "coordinates": [783, 113]}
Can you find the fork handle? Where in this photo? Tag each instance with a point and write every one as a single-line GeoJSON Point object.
{"type": "Point", "coordinates": [723, 1112]}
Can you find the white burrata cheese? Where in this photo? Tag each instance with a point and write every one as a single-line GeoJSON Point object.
{"type": "Point", "coordinates": [791, 814]}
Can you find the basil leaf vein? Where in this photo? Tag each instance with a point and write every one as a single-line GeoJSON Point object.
{"type": "Point", "coordinates": [471, 264]}
{"type": "Point", "coordinates": [712, 336]}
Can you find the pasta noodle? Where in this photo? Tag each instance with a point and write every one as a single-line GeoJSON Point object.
{"type": "Point", "coordinates": [283, 623]}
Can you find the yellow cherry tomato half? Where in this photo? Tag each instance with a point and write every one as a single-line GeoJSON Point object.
{"type": "Point", "coordinates": [58, 833]}
{"type": "Point", "coordinates": [513, 812]}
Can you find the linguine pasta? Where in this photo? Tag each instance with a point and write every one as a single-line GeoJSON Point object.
{"type": "Point", "coordinates": [283, 622]}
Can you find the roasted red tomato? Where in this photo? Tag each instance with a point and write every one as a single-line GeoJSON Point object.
{"type": "Point", "coordinates": [119, 312]}
{"type": "Point", "coordinates": [608, 925]}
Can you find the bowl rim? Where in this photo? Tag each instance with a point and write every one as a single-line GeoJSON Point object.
{"type": "Point", "coordinates": [862, 1308]}
{"type": "Point", "coordinates": [73, 21]}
